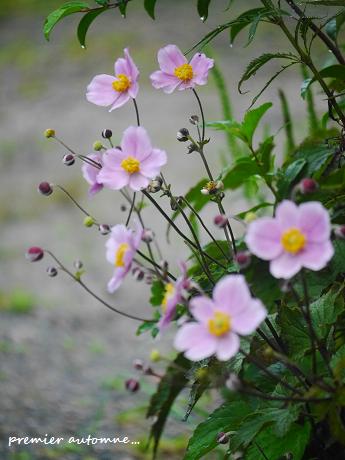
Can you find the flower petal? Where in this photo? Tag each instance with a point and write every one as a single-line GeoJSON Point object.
{"type": "Point", "coordinates": [247, 321]}
{"type": "Point", "coordinates": [201, 65]}
{"type": "Point", "coordinates": [317, 255]}
{"type": "Point", "coordinates": [137, 182]}
{"type": "Point", "coordinates": [286, 265]}
{"type": "Point", "coordinates": [115, 180]}
{"type": "Point", "coordinates": [133, 90]}
{"type": "Point", "coordinates": [263, 238]}
{"type": "Point", "coordinates": [314, 221]}
{"type": "Point", "coordinates": [287, 214]}
{"type": "Point", "coordinates": [202, 308]}
{"type": "Point", "coordinates": [152, 164]}
{"type": "Point", "coordinates": [231, 294]}
{"type": "Point", "coordinates": [100, 91]}
{"type": "Point", "coordinates": [121, 99]}
{"type": "Point", "coordinates": [136, 142]}
{"type": "Point", "coordinates": [161, 80]}
{"type": "Point", "coordinates": [227, 347]}
{"type": "Point", "coordinates": [116, 281]}
{"type": "Point", "coordinates": [189, 335]}
{"type": "Point", "coordinates": [169, 58]}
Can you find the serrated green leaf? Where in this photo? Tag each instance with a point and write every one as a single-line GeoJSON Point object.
{"type": "Point", "coordinates": [85, 23]}
{"type": "Point", "coordinates": [336, 71]}
{"type": "Point", "coordinates": [288, 176]}
{"type": "Point", "coordinates": [150, 7]}
{"type": "Point", "coordinates": [325, 312]}
{"type": "Point", "coordinates": [65, 10]}
{"type": "Point", "coordinates": [236, 175]}
{"type": "Point", "coordinates": [252, 119]}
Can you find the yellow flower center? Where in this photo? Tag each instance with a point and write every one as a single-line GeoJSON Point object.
{"type": "Point", "coordinates": [184, 72]}
{"type": "Point", "coordinates": [169, 292]}
{"type": "Point", "coordinates": [131, 165]}
{"type": "Point", "coordinates": [120, 255]}
{"type": "Point", "coordinates": [122, 83]}
{"type": "Point", "coordinates": [220, 324]}
{"type": "Point", "coordinates": [293, 240]}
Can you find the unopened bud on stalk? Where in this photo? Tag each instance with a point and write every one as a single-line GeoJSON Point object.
{"type": "Point", "coordinates": [194, 119]}
{"type": "Point", "coordinates": [182, 135]}
{"type": "Point", "coordinates": [34, 254]}
{"type": "Point", "coordinates": [104, 229]}
{"type": "Point", "coordinates": [107, 133]}
{"type": "Point", "coordinates": [148, 235]}
{"type": "Point", "coordinates": [52, 271]}
{"type": "Point", "coordinates": [78, 264]}
{"type": "Point", "coordinates": [123, 208]}
{"type": "Point", "coordinates": [308, 185]}
{"type": "Point", "coordinates": [45, 188]}
{"type": "Point", "coordinates": [212, 187]}
{"type": "Point", "coordinates": [340, 231]}
{"type": "Point", "coordinates": [268, 352]}
{"type": "Point", "coordinates": [49, 133]}
{"type": "Point", "coordinates": [233, 383]}
{"type": "Point", "coordinates": [249, 217]}
{"type": "Point", "coordinates": [68, 159]}
{"type": "Point", "coordinates": [243, 259]}
{"type": "Point", "coordinates": [222, 438]}
{"type": "Point", "coordinates": [97, 146]}
{"type": "Point", "coordinates": [89, 221]}
{"type": "Point", "coordinates": [191, 148]}
{"type": "Point", "coordinates": [138, 273]}
{"type": "Point", "coordinates": [149, 279]}
{"type": "Point", "coordinates": [220, 221]}
{"type": "Point", "coordinates": [132, 385]}
{"type": "Point", "coordinates": [155, 185]}
{"type": "Point", "coordinates": [155, 356]}
{"type": "Point", "coordinates": [138, 364]}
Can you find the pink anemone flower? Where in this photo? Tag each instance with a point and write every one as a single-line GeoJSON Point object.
{"type": "Point", "coordinates": [177, 73]}
{"type": "Point", "coordinates": [298, 236]}
{"type": "Point", "coordinates": [91, 172]}
{"type": "Point", "coordinates": [220, 320]}
{"type": "Point", "coordinates": [135, 164]}
{"type": "Point", "coordinates": [121, 248]}
{"type": "Point", "coordinates": [115, 91]}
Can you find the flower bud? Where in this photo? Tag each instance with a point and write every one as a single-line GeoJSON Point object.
{"type": "Point", "coordinates": [148, 235]}
{"type": "Point", "coordinates": [233, 383]}
{"type": "Point", "coordinates": [222, 438]}
{"type": "Point", "coordinates": [138, 364]}
{"type": "Point", "coordinates": [220, 221]}
{"type": "Point", "coordinates": [191, 148]}
{"type": "Point", "coordinates": [104, 229]}
{"type": "Point", "coordinates": [308, 185]}
{"type": "Point", "coordinates": [68, 159]}
{"type": "Point", "coordinates": [182, 135]}
{"type": "Point", "coordinates": [249, 217]}
{"type": "Point", "coordinates": [155, 185]}
{"type": "Point", "coordinates": [149, 279]}
{"type": "Point", "coordinates": [138, 273]}
{"type": "Point", "coordinates": [107, 133]}
{"type": "Point", "coordinates": [89, 221]}
{"type": "Point", "coordinates": [194, 119]}
{"type": "Point", "coordinates": [132, 385]}
{"type": "Point", "coordinates": [340, 231]}
{"type": "Point", "coordinates": [268, 352]}
{"type": "Point", "coordinates": [52, 271]}
{"type": "Point", "coordinates": [34, 254]}
{"type": "Point", "coordinates": [45, 188]}
{"type": "Point", "coordinates": [155, 356]}
{"type": "Point", "coordinates": [204, 191]}
{"type": "Point", "coordinates": [49, 133]}
{"type": "Point", "coordinates": [78, 264]}
{"type": "Point", "coordinates": [97, 146]}
{"type": "Point", "coordinates": [212, 187]}
{"type": "Point", "coordinates": [243, 259]}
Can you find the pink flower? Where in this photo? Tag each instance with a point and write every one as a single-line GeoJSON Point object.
{"type": "Point", "coordinates": [90, 173]}
{"type": "Point", "coordinates": [177, 73]}
{"type": "Point", "coordinates": [173, 295]}
{"type": "Point", "coordinates": [121, 248]}
{"type": "Point", "coordinates": [220, 320]}
{"type": "Point", "coordinates": [105, 90]}
{"type": "Point", "coordinates": [298, 236]}
{"type": "Point", "coordinates": [134, 164]}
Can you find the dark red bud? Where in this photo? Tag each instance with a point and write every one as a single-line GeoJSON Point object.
{"type": "Point", "coordinates": [220, 221]}
{"type": "Point", "coordinates": [243, 259]}
{"type": "Point", "coordinates": [308, 185]}
{"type": "Point", "coordinates": [45, 188]}
{"type": "Point", "coordinates": [34, 254]}
{"type": "Point", "coordinates": [68, 159]}
{"type": "Point", "coordinates": [132, 385]}
{"type": "Point", "coordinates": [222, 438]}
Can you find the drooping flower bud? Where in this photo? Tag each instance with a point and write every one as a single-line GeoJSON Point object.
{"type": "Point", "coordinates": [89, 221]}
{"type": "Point", "coordinates": [220, 221]}
{"type": "Point", "coordinates": [138, 273]}
{"type": "Point", "coordinates": [155, 185]}
{"type": "Point", "coordinates": [182, 135]}
{"type": "Point", "coordinates": [222, 438]}
{"type": "Point", "coordinates": [34, 254]}
{"type": "Point", "coordinates": [49, 133]}
{"type": "Point", "coordinates": [104, 229]}
{"type": "Point", "coordinates": [52, 271]}
{"type": "Point", "coordinates": [97, 146]}
{"type": "Point", "coordinates": [308, 185]}
{"type": "Point", "coordinates": [340, 231]}
{"type": "Point", "coordinates": [243, 259]}
{"type": "Point", "coordinates": [132, 385]}
{"type": "Point", "coordinates": [107, 133]}
{"type": "Point", "coordinates": [194, 119]}
{"type": "Point", "coordinates": [68, 159]}
{"type": "Point", "coordinates": [45, 188]}
{"type": "Point", "coordinates": [138, 364]}
{"type": "Point", "coordinates": [148, 235]}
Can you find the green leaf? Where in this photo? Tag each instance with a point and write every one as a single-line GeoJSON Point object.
{"type": "Point", "coordinates": [236, 175]}
{"type": "Point", "coordinates": [326, 2]}
{"type": "Point", "coordinates": [336, 71]}
{"type": "Point", "coordinates": [102, 2]}
{"type": "Point", "coordinates": [252, 119]}
{"type": "Point", "coordinates": [295, 331]}
{"type": "Point", "coordinates": [157, 293]}
{"type": "Point", "coordinates": [334, 25]}
{"type": "Point", "coordinates": [325, 312]}
{"type": "Point", "coordinates": [338, 363]}
{"type": "Point", "coordinates": [85, 23]}
{"type": "Point", "coordinates": [316, 156]}
{"type": "Point", "coordinates": [288, 176]}
{"type": "Point", "coordinates": [149, 6]}
{"type": "Point", "coordinates": [123, 7]}
{"type": "Point", "coordinates": [246, 18]}
{"type": "Point", "coordinates": [65, 10]}
{"type": "Point", "coordinates": [255, 208]}
{"type": "Point", "coordinates": [203, 6]}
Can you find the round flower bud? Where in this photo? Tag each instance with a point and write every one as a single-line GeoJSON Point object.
{"type": "Point", "coordinates": [220, 221]}
{"type": "Point", "coordinates": [219, 185]}
{"type": "Point", "coordinates": [308, 185]}
{"type": "Point", "coordinates": [155, 185]}
{"type": "Point", "coordinates": [123, 208]}
{"type": "Point", "coordinates": [191, 148]}
{"type": "Point", "coordinates": [194, 119]}
{"type": "Point", "coordinates": [78, 264]}
{"type": "Point", "coordinates": [204, 191]}
{"type": "Point", "coordinates": [138, 364]}
{"type": "Point", "coordinates": [222, 438]}
{"type": "Point", "coordinates": [132, 385]}
{"type": "Point", "coordinates": [149, 279]}
{"type": "Point", "coordinates": [155, 356]}
{"type": "Point", "coordinates": [97, 146]}
{"type": "Point", "coordinates": [45, 188]}
{"type": "Point", "coordinates": [89, 221]}
{"type": "Point", "coordinates": [268, 352]}
{"type": "Point", "coordinates": [233, 383]}
{"type": "Point", "coordinates": [107, 133]}
{"type": "Point", "coordinates": [243, 259]}
{"type": "Point", "coordinates": [249, 217]}
{"type": "Point", "coordinates": [34, 254]}
{"type": "Point", "coordinates": [148, 235]}
{"type": "Point", "coordinates": [138, 273]}
{"type": "Point", "coordinates": [182, 135]}
{"type": "Point", "coordinates": [52, 271]}
{"type": "Point", "coordinates": [340, 231]}
{"type": "Point", "coordinates": [68, 159]}
{"type": "Point", "coordinates": [104, 229]}
{"type": "Point", "coordinates": [49, 133]}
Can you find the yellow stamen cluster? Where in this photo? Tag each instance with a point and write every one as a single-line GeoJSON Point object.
{"type": "Point", "coordinates": [122, 83]}
{"type": "Point", "coordinates": [130, 165]}
{"type": "Point", "coordinates": [120, 255]}
{"type": "Point", "coordinates": [293, 240]}
{"type": "Point", "coordinates": [184, 72]}
{"type": "Point", "coordinates": [220, 324]}
{"type": "Point", "coordinates": [169, 292]}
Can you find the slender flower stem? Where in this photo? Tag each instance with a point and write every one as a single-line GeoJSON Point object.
{"type": "Point", "coordinates": [81, 157]}
{"type": "Point", "coordinates": [136, 111]}
{"type": "Point", "coordinates": [259, 394]}
{"type": "Point", "coordinates": [131, 209]}
{"type": "Point", "coordinates": [87, 289]}
{"type": "Point", "coordinates": [74, 201]}
{"type": "Point", "coordinates": [154, 264]}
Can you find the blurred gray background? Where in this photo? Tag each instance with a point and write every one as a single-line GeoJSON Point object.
{"type": "Point", "coordinates": [64, 357]}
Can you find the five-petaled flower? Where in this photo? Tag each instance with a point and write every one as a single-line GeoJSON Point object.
{"type": "Point", "coordinates": [220, 320]}
{"type": "Point", "coordinates": [177, 73]}
{"type": "Point", "coordinates": [135, 164]}
{"type": "Point", "coordinates": [91, 171]}
{"type": "Point", "coordinates": [298, 236]}
{"type": "Point", "coordinates": [115, 91]}
{"type": "Point", "coordinates": [121, 248]}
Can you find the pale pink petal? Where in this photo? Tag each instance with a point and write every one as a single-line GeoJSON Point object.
{"type": "Point", "coordinates": [263, 238]}
{"type": "Point", "coordinates": [161, 80]}
{"type": "Point", "coordinates": [287, 214]}
{"type": "Point", "coordinates": [314, 221]}
{"type": "Point", "coordinates": [169, 58]}
{"type": "Point", "coordinates": [100, 90]}
{"type": "Point", "coordinates": [136, 142]}
{"type": "Point", "coordinates": [315, 256]}
{"type": "Point", "coordinates": [133, 90]}
{"type": "Point", "coordinates": [227, 347]}
{"type": "Point", "coordinates": [286, 265]}
{"type": "Point", "coordinates": [120, 233]}
{"type": "Point", "coordinates": [121, 99]}
{"type": "Point", "coordinates": [189, 335]}
{"type": "Point", "coordinates": [115, 180]}
{"type": "Point", "coordinates": [116, 281]}
{"type": "Point", "coordinates": [151, 166]}
{"type": "Point", "coordinates": [206, 348]}
{"type": "Point", "coordinates": [132, 69]}
{"type": "Point", "coordinates": [95, 188]}
{"type": "Point", "coordinates": [137, 182]}
{"type": "Point", "coordinates": [201, 66]}
{"type": "Point", "coordinates": [231, 294]}
{"type": "Point", "coordinates": [248, 320]}
{"type": "Point", "coordinates": [112, 159]}
{"type": "Point", "coordinates": [202, 308]}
